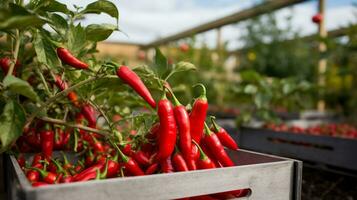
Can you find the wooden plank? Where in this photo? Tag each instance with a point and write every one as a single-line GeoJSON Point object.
{"type": "Point", "coordinates": [331, 34]}
{"type": "Point", "coordinates": [263, 8]}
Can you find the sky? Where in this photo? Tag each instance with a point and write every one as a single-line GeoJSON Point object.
{"type": "Point", "coordinates": [144, 21]}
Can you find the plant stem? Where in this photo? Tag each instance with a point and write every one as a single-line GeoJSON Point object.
{"type": "Point", "coordinates": [64, 123]}
{"type": "Point", "coordinates": [43, 81]}
{"type": "Point", "coordinates": [101, 112]}
{"type": "Point", "coordinates": [58, 95]}
{"type": "Point", "coordinates": [15, 53]}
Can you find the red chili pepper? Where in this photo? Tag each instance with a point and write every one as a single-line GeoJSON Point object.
{"type": "Point", "coordinates": [64, 176]}
{"type": "Point", "coordinates": [67, 58]}
{"type": "Point", "coordinates": [183, 124]}
{"type": "Point", "coordinates": [5, 65]}
{"type": "Point", "coordinates": [47, 140]}
{"type": "Point", "coordinates": [62, 85]}
{"type": "Point", "coordinates": [147, 148]}
{"type": "Point", "coordinates": [58, 142]}
{"type": "Point", "coordinates": [154, 132]}
{"type": "Point", "coordinates": [166, 165]}
{"type": "Point", "coordinates": [204, 162]}
{"type": "Point", "coordinates": [89, 173]}
{"type": "Point", "coordinates": [131, 78]}
{"type": "Point", "coordinates": [89, 160]}
{"type": "Point", "coordinates": [210, 155]}
{"type": "Point", "coordinates": [90, 114]}
{"type": "Point", "coordinates": [127, 150]}
{"type": "Point", "coordinates": [195, 154]}
{"type": "Point", "coordinates": [141, 158]}
{"type": "Point", "coordinates": [72, 96]}
{"type": "Point", "coordinates": [52, 167]}
{"type": "Point", "coordinates": [217, 149]}
{"type": "Point", "coordinates": [223, 136]}
{"type": "Point", "coordinates": [113, 168]}
{"type": "Point", "coordinates": [191, 164]}
{"type": "Point", "coordinates": [198, 115]}
{"type": "Point", "coordinates": [167, 132]}
{"type": "Point", "coordinates": [203, 197]}
{"type": "Point", "coordinates": [130, 164]}
{"type": "Point", "coordinates": [39, 184]}
{"type": "Point", "coordinates": [179, 162]}
{"type": "Point", "coordinates": [66, 137]}
{"type": "Point", "coordinates": [36, 159]}
{"type": "Point", "coordinates": [23, 146]}
{"type": "Point", "coordinates": [152, 169]}
{"type": "Point", "coordinates": [33, 139]}
{"type": "Point", "coordinates": [47, 177]}
{"type": "Point", "coordinates": [79, 166]}
{"type": "Point", "coordinates": [66, 164]}
{"type": "Point", "coordinates": [79, 118]}
{"type": "Point", "coordinates": [97, 145]}
{"type": "Point", "coordinates": [21, 160]}
{"type": "Point", "coordinates": [33, 176]}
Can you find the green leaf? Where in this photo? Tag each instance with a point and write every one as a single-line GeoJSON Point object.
{"type": "Point", "coordinates": [250, 76]}
{"type": "Point", "coordinates": [161, 64]}
{"type": "Point", "coordinates": [76, 39]}
{"type": "Point", "coordinates": [99, 32]}
{"type": "Point", "coordinates": [47, 5]}
{"type": "Point", "coordinates": [184, 66]}
{"type": "Point", "coordinates": [17, 17]}
{"type": "Point", "coordinates": [55, 6]}
{"type": "Point", "coordinates": [58, 23]}
{"type": "Point", "coordinates": [261, 100]}
{"type": "Point", "coordinates": [250, 89]}
{"type": "Point", "coordinates": [102, 6]}
{"type": "Point", "coordinates": [31, 107]}
{"type": "Point", "coordinates": [12, 121]}
{"type": "Point", "coordinates": [45, 50]}
{"type": "Point", "coordinates": [20, 86]}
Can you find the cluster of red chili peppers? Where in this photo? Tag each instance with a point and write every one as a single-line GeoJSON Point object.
{"type": "Point", "coordinates": [179, 141]}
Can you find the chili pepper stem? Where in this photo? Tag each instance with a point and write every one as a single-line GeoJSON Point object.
{"type": "Point", "coordinates": [104, 174]}
{"type": "Point", "coordinates": [207, 131]}
{"type": "Point", "coordinates": [65, 159]}
{"type": "Point", "coordinates": [97, 177]}
{"type": "Point", "coordinates": [123, 157]}
{"type": "Point", "coordinates": [203, 156]}
{"type": "Point", "coordinates": [203, 94]}
{"type": "Point", "coordinates": [59, 167]}
{"type": "Point", "coordinates": [176, 101]}
{"type": "Point", "coordinates": [43, 173]}
{"type": "Point", "coordinates": [215, 125]}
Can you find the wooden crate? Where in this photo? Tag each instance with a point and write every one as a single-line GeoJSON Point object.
{"type": "Point", "coordinates": [268, 177]}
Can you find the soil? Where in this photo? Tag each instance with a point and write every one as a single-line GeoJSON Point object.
{"type": "Point", "coordinates": [323, 185]}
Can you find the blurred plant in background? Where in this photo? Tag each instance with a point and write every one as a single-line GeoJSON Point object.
{"type": "Point", "coordinates": [341, 88]}
{"type": "Point", "coordinates": [275, 71]}
{"type": "Point", "coordinates": [277, 51]}
{"type": "Point", "coordinates": [262, 96]}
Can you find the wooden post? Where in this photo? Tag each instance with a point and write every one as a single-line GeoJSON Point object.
{"type": "Point", "coordinates": [219, 39]}
{"type": "Point", "coordinates": [322, 64]}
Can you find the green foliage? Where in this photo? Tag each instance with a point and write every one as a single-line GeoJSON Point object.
{"type": "Point", "coordinates": [19, 86]}
{"type": "Point", "coordinates": [12, 120]}
{"type": "Point", "coordinates": [32, 85]}
{"type": "Point", "coordinates": [276, 51]}
{"type": "Point", "coordinates": [260, 95]}
{"type": "Point", "coordinates": [33, 33]}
